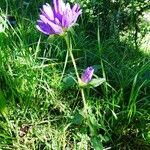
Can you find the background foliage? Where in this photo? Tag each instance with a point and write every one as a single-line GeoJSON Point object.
{"type": "Point", "coordinates": [39, 112]}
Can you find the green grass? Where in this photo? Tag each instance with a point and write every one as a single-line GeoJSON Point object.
{"type": "Point", "coordinates": [40, 112]}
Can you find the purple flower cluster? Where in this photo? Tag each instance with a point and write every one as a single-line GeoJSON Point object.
{"type": "Point", "coordinates": [55, 20]}
{"type": "Point", "coordinates": [87, 74]}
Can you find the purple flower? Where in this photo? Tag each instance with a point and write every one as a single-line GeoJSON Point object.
{"type": "Point", "coordinates": [87, 75]}
{"type": "Point", "coordinates": [55, 20]}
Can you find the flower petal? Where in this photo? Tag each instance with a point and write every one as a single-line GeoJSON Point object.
{"type": "Point", "coordinates": [45, 28]}
{"type": "Point", "coordinates": [48, 12]}
{"type": "Point", "coordinates": [56, 28]}
{"type": "Point", "coordinates": [67, 17]}
{"type": "Point", "coordinates": [87, 75]}
{"type": "Point", "coordinates": [76, 8]}
{"type": "Point", "coordinates": [59, 6]}
{"type": "Point", "coordinates": [75, 13]}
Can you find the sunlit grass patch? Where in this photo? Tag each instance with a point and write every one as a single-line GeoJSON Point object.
{"type": "Point", "coordinates": [145, 46]}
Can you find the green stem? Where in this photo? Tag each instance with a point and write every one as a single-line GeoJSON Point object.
{"type": "Point", "coordinates": [66, 59]}
{"type": "Point", "coordinates": [84, 102]}
{"type": "Point", "coordinates": [69, 49]}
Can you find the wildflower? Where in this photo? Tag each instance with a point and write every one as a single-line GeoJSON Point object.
{"type": "Point", "coordinates": [87, 75]}
{"type": "Point", "coordinates": [57, 19]}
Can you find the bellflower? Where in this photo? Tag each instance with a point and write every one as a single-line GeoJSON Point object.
{"type": "Point", "coordinates": [87, 74]}
{"type": "Point", "coordinates": [57, 19]}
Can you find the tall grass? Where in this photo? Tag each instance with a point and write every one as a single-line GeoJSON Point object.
{"type": "Point", "coordinates": [37, 111]}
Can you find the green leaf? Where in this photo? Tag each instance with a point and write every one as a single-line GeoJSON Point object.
{"type": "Point", "coordinates": [77, 119]}
{"type": "Point", "coordinates": [96, 143]}
{"type": "Point", "coordinates": [68, 82]}
{"type": "Point", "coordinates": [96, 82]}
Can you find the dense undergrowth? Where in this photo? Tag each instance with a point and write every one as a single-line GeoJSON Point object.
{"type": "Point", "coordinates": [41, 111]}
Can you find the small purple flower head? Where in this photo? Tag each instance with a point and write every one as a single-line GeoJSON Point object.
{"type": "Point", "coordinates": [55, 20]}
{"type": "Point", "coordinates": [87, 75]}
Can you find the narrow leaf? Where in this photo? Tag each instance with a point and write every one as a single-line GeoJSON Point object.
{"type": "Point", "coordinates": [96, 82]}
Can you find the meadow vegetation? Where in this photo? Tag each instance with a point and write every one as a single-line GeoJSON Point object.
{"type": "Point", "coordinates": [42, 110]}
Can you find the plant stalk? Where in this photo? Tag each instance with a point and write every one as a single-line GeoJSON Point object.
{"type": "Point", "coordinates": [69, 49]}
